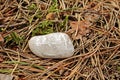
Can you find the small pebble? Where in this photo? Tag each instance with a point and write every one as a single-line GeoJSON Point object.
{"type": "Point", "coordinates": [54, 45]}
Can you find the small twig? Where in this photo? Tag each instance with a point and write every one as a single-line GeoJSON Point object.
{"type": "Point", "coordinates": [14, 25]}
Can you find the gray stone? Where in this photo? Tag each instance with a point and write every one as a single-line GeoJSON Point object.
{"type": "Point", "coordinates": [6, 77]}
{"type": "Point", "coordinates": [54, 45]}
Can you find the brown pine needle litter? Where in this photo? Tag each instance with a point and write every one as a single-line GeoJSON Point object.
{"type": "Point", "coordinates": [97, 51]}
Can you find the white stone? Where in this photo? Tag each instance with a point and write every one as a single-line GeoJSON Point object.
{"type": "Point", "coordinates": [54, 45]}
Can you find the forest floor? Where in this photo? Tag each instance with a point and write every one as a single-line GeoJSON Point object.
{"type": "Point", "coordinates": [93, 26]}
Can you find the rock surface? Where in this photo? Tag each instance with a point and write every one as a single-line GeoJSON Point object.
{"type": "Point", "coordinates": [6, 77]}
{"type": "Point", "coordinates": [54, 45]}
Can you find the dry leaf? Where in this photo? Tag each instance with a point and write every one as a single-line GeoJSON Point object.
{"type": "Point", "coordinates": [79, 29]}
{"type": "Point", "coordinates": [50, 16]}
{"type": "Point", "coordinates": [1, 38]}
{"type": "Point", "coordinates": [43, 5]}
{"type": "Point", "coordinates": [92, 17]}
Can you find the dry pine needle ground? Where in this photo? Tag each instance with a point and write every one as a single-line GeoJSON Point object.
{"type": "Point", "coordinates": [97, 43]}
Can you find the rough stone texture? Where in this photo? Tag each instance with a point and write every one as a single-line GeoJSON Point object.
{"type": "Point", "coordinates": [6, 77]}
{"type": "Point", "coordinates": [54, 45]}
